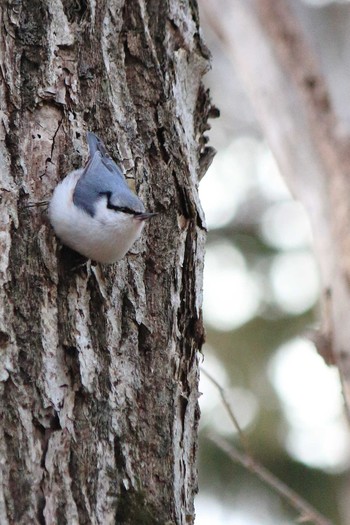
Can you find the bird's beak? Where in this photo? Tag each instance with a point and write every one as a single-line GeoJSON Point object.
{"type": "Point", "coordinates": [144, 216]}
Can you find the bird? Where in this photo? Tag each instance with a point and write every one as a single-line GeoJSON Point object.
{"type": "Point", "coordinates": [94, 212]}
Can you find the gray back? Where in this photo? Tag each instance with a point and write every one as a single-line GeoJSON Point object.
{"type": "Point", "coordinates": [102, 177]}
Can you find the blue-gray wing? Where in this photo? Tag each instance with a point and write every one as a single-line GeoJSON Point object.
{"type": "Point", "coordinates": [102, 177]}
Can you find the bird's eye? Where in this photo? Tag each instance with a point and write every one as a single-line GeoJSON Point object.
{"type": "Point", "coordinates": [111, 206]}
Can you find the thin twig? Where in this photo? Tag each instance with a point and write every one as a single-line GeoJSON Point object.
{"type": "Point", "coordinates": [344, 393]}
{"type": "Point", "coordinates": [220, 389]}
{"type": "Point", "coordinates": [307, 512]}
{"type": "Point", "coordinates": [246, 459]}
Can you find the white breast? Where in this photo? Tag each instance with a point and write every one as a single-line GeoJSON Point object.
{"type": "Point", "coordinates": [105, 238]}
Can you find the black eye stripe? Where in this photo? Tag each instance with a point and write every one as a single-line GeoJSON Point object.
{"type": "Point", "coordinates": [123, 209]}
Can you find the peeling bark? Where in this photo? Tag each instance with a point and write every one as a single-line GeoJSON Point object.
{"type": "Point", "coordinates": [98, 364]}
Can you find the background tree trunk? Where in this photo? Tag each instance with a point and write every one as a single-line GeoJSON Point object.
{"type": "Point", "coordinates": [309, 140]}
{"type": "Point", "coordinates": [99, 364]}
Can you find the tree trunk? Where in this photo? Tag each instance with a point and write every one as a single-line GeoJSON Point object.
{"type": "Point", "coordinates": [99, 364]}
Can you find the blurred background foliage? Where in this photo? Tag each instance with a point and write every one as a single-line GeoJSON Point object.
{"type": "Point", "coordinates": [261, 292]}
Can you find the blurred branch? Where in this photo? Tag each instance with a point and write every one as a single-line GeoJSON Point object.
{"type": "Point", "coordinates": [229, 410]}
{"type": "Point", "coordinates": [246, 459]}
{"type": "Point", "coordinates": [294, 108]}
{"type": "Point", "coordinates": [307, 512]}
{"type": "Point", "coordinates": [323, 346]}
{"type": "Point", "coordinates": [345, 394]}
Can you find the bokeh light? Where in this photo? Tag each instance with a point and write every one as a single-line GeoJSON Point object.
{"type": "Point", "coordinates": [271, 184]}
{"type": "Point", "coordinates": [228, 181]}
{"type": "Point", "coordinates": [312, 404]}
{"type": "Point", "coordinates": [295, 282]}
{"type": "Point", "coordinates": [285, 226]}
{"type": "Point", "coordinates": [210, 512]}
{"type": "Point", "coordinates": [231, 294]}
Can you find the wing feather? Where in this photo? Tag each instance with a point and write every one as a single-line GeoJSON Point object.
{"type": "Point", "coordinates": [103, 177]}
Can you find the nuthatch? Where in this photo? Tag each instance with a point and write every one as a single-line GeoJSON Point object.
{"type": "Point", "coordinates": [93, 210]}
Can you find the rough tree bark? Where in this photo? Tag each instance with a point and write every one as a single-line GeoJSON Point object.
{"type": "Point", "coordinates": [294, 108]}
{"type": "Point", "coordinates": [99, 363]}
